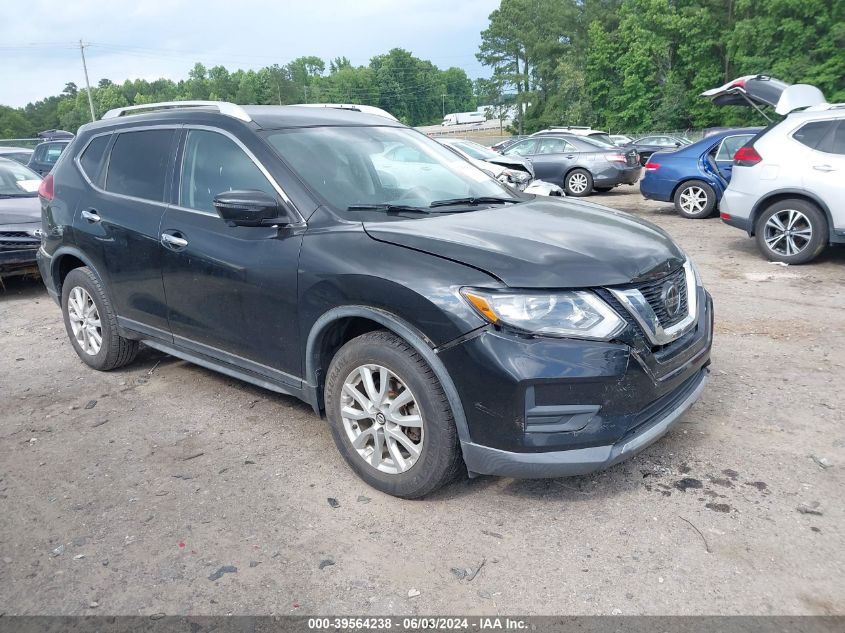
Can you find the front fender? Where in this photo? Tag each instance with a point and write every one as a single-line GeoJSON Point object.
{"type": "Point", "coordinates": [416, 339]}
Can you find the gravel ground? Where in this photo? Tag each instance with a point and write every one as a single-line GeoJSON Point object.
{"type": "Point", "coordinates": [164, 487]}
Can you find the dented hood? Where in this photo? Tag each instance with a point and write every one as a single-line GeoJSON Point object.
{"type": "Point", "coordinates": [763, 90]}
{"type": "Point", "coordinates": [545, 243]}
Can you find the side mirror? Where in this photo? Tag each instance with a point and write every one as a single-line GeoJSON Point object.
{"type": "Point", "coordinates": [250, 208]}
{"type": "Point", "coordinates": [677, 144]}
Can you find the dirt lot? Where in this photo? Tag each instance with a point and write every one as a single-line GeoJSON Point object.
{"type": "Point", "coordinates": [135, 492]}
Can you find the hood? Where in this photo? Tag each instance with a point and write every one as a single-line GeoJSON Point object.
{"type": "Point", "coordinates": [20, 210]}
{"type": "Point", "coordinates": [511, 162]}
{"type": "Point", "coordinates": [545, 243]}
{"type": "Point", "coordinates": [766, 91]}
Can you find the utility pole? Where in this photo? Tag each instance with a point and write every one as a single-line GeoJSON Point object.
{"type": "Point", "coordinates": [443, 98]}
{"type": "Point", "coordinates": [87, 83]}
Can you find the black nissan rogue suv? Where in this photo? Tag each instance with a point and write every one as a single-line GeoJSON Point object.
{"type": "Point", "coordinates": [439, 319]}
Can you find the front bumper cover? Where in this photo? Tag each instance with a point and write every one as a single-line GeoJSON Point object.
{"type": "Point", "coordinates": [484, 460]}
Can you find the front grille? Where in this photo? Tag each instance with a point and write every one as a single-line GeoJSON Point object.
{"type": "Point", "coordinates": [653, 291]}
{"type": "Point", "coordinates": [17, 240]}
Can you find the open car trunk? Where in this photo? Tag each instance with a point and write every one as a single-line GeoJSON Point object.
{"type": "Point", "coordinates": [762, 90]}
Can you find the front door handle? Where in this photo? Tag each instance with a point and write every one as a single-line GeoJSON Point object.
{"type": "Point", "coordinates": [173, 240]}
{"type": "Point", "coordinates": [91, 215]}
{"type": "Point", "coordinates": [824, 168]}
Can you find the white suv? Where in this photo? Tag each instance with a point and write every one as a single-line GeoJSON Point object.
{"type": "Point", "coordinates": [788, 185]}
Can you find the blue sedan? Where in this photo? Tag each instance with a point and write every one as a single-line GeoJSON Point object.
{"type": "Point", "coordinates": [694, 177]}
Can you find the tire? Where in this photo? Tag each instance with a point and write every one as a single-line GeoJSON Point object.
{"type": "Point", "coordinates": [808, 226]}
{"type": "Point", "coordinates": [603, 189]}
{"type": "Point", "coordinates": [582, 180]}
{"type": "Point", "coordinates": [81, 290]}
{"type": "Point", "coordinates": [695, 199]}
{"type": "Point", "coordinates": [391, 361]}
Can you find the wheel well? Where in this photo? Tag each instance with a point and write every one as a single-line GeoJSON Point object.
{"type": "Point", "coordinates": [778, 197]}
{"type": "Point", "coordinates": [337, 334]}
{"type": "Point", "coordinates": [66, 264]}
{"type": "Point", "coordinates": [688, 180]}
{"type": "Point", "coordinates": [570, 170]}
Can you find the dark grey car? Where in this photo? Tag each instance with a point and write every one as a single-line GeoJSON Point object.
{"type": "Point", "coordinates": [580, 165]}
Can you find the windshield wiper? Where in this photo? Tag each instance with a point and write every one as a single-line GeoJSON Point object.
{"type": "Point", "coordinates": [472, 201]}
{"type": "Point", "coordinates": [389, 208]}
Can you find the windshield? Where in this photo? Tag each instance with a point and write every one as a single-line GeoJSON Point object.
{"type": "Point", "coordinates": [17, 181]}
{"type": "Point", "coordinates": [475, 150]}
{"type": "Point", "coordinates": [379, 168]}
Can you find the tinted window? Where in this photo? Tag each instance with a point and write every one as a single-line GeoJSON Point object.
{"type": "Point", "coordinates": [215, 164]}
{"type": "Point", "coordinates": [730, 145]}
{"type": "Point", "coordinates": [523, 148]}
{"type": "Point", "coordinates": [812, 133]}
{"type": "Point", "coordinates": [648, 140]}
{"type": "Point", "coordinates": [837, 144]}
{"type": "Point", "coordinates": [92, 157]}
{"type": "Point", "coordinates": [834, 143]}
{"type": "Point", "coordinates": [552, 146]}
{"type": "Point", "coordinates": [138, 164]}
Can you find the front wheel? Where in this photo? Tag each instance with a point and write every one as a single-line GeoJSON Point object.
{"type": "Point", "coordinates": [791, 231]}
{"type": "Point", "coordinates": [578, 183]}
{"type": "Point", "coordinates": [389, 416]}
{"type": "Point", "coordinates": [695, 200]}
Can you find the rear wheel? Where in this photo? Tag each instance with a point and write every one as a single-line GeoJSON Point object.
{"type": "Point", "coordinates": [578, 183]}
{"type": "Point", "coordinates": [695, 199]}
{"type": "Point", "coordinates": [791, 231]}
{"type": "Point", "coordinates": [91, 322]}
{"type": "Point", "coordinates": [389, 416]}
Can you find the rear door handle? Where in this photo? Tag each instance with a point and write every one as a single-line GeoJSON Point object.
{"type": "Point", "coordinates": [824, 168]}
{"type": "Point", "coordinates": [91, 215]}
{"type": "Point", "coordinates": [173, 240]}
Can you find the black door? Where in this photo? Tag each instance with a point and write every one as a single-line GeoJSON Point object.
{"type": "Point", "coordinates": [231, 291]}
{"type": "Point", "coordinates": [118, 224]}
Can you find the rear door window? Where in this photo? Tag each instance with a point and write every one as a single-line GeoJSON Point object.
{"type": "Point", "coordinates": [834, 142]}
{"type": "Point", "coordinates": [552, 146]}
{"type": "Point", "coordinates": [138, 164]}
{"type": "Point", "coordinates": [812, 133]}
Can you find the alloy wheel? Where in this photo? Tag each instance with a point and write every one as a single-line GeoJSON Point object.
{"type": "Point", "coordinates": [693, 200]}
{"type": "Point", "coordinates": [787, 232]}
{"type": "Point", "coordinates": [578, 183]}
{"type": "Point", "coordinates": [85, 321]}
{"type": "Point", "coordinates": [381, 419]}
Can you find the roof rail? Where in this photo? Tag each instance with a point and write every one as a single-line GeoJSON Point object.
{"type": "Point", "coordinates": [366, 109]}
{"type": "Point", "coordinates": [224, 107]}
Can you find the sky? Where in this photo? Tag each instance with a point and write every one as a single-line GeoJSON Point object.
{"type": "Point", "coordinates": [150, 39]}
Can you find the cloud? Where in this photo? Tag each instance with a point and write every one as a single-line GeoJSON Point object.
{"type": "Point", "coordinates": [163, 38]}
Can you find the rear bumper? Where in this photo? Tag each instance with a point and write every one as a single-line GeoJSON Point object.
{"type": "Point", "coordinates": [653, 189]}
{"type": "Point", "coordinates": [613, 176]}
{"type": "Point", "coordinates": [17, 262]}
{"type": "Point", "coordinates": [735, 209]}
{"type": "Point", "coordinates": [483, 460]}
{"type": "Point", "coordinates": [45, 267]}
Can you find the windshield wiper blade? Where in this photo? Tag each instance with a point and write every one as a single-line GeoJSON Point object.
{"type": "Point", "coordinates": [389, 208]}
{"type": "Point", "coordinates": [472, 201]}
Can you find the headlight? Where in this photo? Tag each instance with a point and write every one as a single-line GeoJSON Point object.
{"type": "Point", "coordinates": [516, 176]}
{"type": "Point", "coordinates": [577, 314]}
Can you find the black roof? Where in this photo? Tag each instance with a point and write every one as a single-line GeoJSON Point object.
{"type": "Point", "coordinates": [263, 117]}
